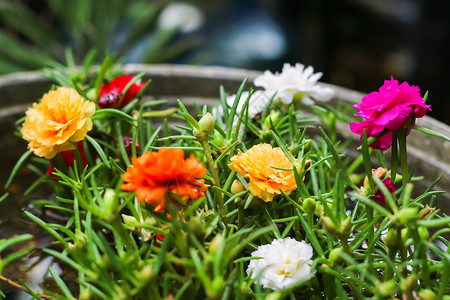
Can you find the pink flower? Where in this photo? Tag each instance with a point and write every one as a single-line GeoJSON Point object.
{"type": "Point", "coordinates": [394, 106]}
{"type": "Point", "coordinates": [111, 92]}
{"type": "Point", "coordinates": [379, 197]}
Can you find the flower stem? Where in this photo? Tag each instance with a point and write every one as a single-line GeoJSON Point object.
{"type": "Point", "coordinates": [403, 156]}
{"type": "Point", "coordinates": [394, 156]}
{"type": "Point", "coordinates": [203, 139]}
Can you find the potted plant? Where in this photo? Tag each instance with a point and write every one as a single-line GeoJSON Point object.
{"type": "Point", "coordinates": [258, 195]}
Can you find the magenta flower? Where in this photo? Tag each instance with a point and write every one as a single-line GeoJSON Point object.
{"type": "Point", "coordinates": [393, 107]}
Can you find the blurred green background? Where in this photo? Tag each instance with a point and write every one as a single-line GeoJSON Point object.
{"type": "Point", "coordinates": [355, 43]}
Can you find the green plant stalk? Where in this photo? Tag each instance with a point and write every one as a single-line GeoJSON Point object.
{"type": "Point", "coordinates": [203, 139]}
{"type": "Point", "coordinates": [394, 156]}
{"type": "Point", "coordinates": [402, 250]}
{"type": "Point", "coordinates": [240, 214]}
{"type": "Point", "coordinates": [403, 155]}
{"type": "Point", "coordinates": [423, 257]}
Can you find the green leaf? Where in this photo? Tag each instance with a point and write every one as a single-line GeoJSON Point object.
{"type": "Point", "coordinates": [431, 132]}
{"type": "Point", "coordinates": [16, 168]}
{"type": "Point", "coordinates": [111, 112]}
{"type": "Point", "coordinates": [99, 150]}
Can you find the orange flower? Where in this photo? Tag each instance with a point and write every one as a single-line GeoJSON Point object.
{"type": "Point", "coordinates": [153, 174]}
{"type": "Point", "coordinates": [57, 122]}
{"type": "Point", "coordinates": [257, 165]}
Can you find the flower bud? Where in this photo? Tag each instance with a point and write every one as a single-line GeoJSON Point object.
{"type": "Point", "coordinates": [405, 235]}
{"type": "Point", "coordinates": [86, 292]}
{"type": "Point", "coordinates": [266, 136]}
{"type": "Point", "coordinates": [110, 203]}
{"type": "Point", "coordinates": [130, 221]}
{"type": "Point", "coordinates": [426, 294]}
{"type": "Point", "coordinates": [215, 244]}
{"type": "Point", "coordinates": [309, 205]}
{"type": "Point", "coordinates": [329, 226]}
{"type": "Point", "coordinates": [128, 143]}
{"type": "Point", "coordinates": [218, 139]}
{"type": "Point", "coordinates": [386, 288]}
{"type": "Point", "coordinates": [391, 237]}
{"type": "Point", "coordinates": [147, 272]}
{"type": "Point", "coordinates": [237, 187]}
{"type": "Point", "coordinates": [206, 124]}
{"type": "Point", "coordinates": [319, 210]}
{"type": "Point", "coordinates": [335, 256]}
{"type": "Point", "coordinates": [274, 296]}
{"type": "Point", "coordinates": [80, 239]}
{"type": "Point", "coordinates": [273, 116]}
{"type": "Point", "coordinates": [423, 233]}
{"type": "Point", "coordinates": [406, 215]}
{"type": "Point", "coordinates": [425, 212]}
{"type": "Point", "coordinates": [215, 289]}
{"type": "Point", "coordinates": [341, 231]}
{"type": "Point", "coordinates": [196, 225]}
{"type": "Point", "coordinates": [346, 226]}
{"type": "Point", "coordinates": [376, 173]}
{"type": "Point", "coordinates": [409, 284]}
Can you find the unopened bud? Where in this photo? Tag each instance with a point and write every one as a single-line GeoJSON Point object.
{"type": "Point", "coordinates": [266, 136]}
{"type": "Point", "coordinates": [274, 296]}
{"type": "Point", "coordinates": [406, 215]}
{"type": "Point", "coordinates": [215, 289]}
{"type": "Point", "coordinates": [329, 226]}
{"type": "Point", "coordinates": [80, 239]}
{"type": "Point", "coordinates": [128, 144]}
{"type": "Point", "coordinates": [147, 272]}
{"type": "Point", "coordinates": [408, 284]}
{"type": "Point", "coordinates": [425, 212]}
{"type": "Point", "coordinates": [423, 233]}
{"type": "Point", "coordinates": [386, 288]}
{"type": "Point", "coordinates": [86, 292]}
{"type": "Point", "coordinates": [426, 294]}
{"type": "Point", "coordinates": [346, 226]}
{"type": "Point", "coordinates": [335, 256]}
{"type": "Point", "coordinates": [376, 173]}
{"type": "Point", "coordinates": [130, 221]}
{"type": "Point", "coordinates": [405, 235]}
{"type": "Point", "coordinates": [215, 244]}
{"type": "Point", "coordinates": [196, 225]}
{"type": "Point", "coordinates": [206, 124]}
{"type": "Point", "coordinates": [391, 237]}
{"type": "Point", "coordinates": [271, 118]}
{"type": "Point", "coordinates": [237, 187]}
{"type": "Point", "coordinates": [309, 205]}
{"type": "Point", "coordinates": [218, 139]}
{"type": "Point", "coordinates": [110, 204]}
{"type": "Point", "coordinates": [319, 210]}
{"type": "Point", "coordinates": [341, 231]}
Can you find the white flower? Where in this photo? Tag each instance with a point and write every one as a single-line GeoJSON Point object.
{"type": "Point", "coordinates": [294, 80]}
{"type": "Point", "coordinates": [256, 104]}
{"type": "Point", "coordinates": [283, 264]}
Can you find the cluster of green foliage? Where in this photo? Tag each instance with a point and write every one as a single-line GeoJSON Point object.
{"type": "Point", "coordinates": [35, 35]}
{"type": "Point", "coordinates": [361, 249]}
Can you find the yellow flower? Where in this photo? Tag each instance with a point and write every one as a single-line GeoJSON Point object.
{"type": "Point", "coordinates": [258, 164]}
{"type": "Point", "coordinates": [59, 120]}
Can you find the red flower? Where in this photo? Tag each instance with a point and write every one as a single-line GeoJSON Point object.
{"type": "Point", "coordinates": [154, 174]}
{"type": "Point", "coordinates": [69, 158]}
{"type": "Point", "coordinates": [379, 197]}
{"type": "Point", "coordinates": [110, 93]}
{"type": "Point", "coordinates": [128, 143]}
